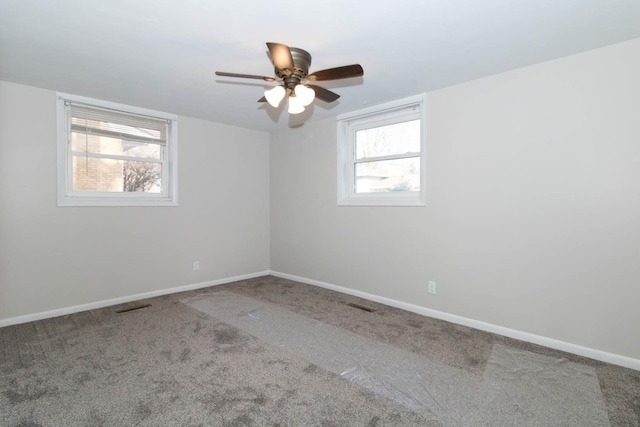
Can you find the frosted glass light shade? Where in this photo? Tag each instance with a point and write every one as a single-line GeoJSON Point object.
{"type": "Point", "coordinates": [275, 95]}
{"type": "Point", "coordinates": [295, 105]}
{"type": "Point", "coordinates": [306, 94]}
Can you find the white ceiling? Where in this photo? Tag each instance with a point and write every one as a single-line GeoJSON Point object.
{"type": "Point", "coordinates": [162, 54]}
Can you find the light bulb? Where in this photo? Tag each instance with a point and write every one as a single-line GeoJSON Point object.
{"type": "Point", "coordinates": [295, 105]}
{"type": "Point", "coordinates": [306, 94]}
{"type": "Point", "coordinates": [275, 95]}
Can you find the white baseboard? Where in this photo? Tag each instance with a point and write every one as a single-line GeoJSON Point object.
{"type": "Point", "coordinates": [591, 353]}
{"type": "Point", "coordinates": [602, 356]}
{"type": "Point", "coordinates": [121, 300]}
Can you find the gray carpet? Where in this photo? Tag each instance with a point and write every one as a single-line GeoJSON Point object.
{"type": "Point", "coordinates": [177, 363]}
{"type": "Point", "coordinates": [519, 387]}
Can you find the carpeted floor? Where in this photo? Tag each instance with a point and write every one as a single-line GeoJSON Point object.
{"type": "Point", "coordinates": [270, 351]}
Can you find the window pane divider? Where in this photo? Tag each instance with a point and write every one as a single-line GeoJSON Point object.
{"type": "Point", "coordinates": [82, 130]}
{"type": "Point", "coordinates": [389, 157]}
{"type": "Point", "coordinates": [116, 157]}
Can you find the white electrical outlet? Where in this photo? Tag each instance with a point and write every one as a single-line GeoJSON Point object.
{"type": "Point", "coordinates": [196, 265]}
{"type": "Point", "coordinates": [432, 287]}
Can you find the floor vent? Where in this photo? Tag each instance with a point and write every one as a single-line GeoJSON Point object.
{"type": "Point", "coordinates": [126, 310]}
{"type": "Point", "coordinates": [361, 307]}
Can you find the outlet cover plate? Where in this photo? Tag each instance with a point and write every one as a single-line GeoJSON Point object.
{"type": "Point", "coordinates": [432, 287]}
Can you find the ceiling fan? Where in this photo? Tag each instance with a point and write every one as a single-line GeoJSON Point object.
{"type": "Point", "coordinates": [292, 71]}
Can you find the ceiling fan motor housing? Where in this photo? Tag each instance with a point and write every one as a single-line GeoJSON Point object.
{"type": "Point", "coordinates": [301, 63]}
{"type": "Point", "coordinates": [291, 66]}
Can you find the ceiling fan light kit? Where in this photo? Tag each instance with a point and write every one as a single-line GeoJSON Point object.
{"type": "Point", "coordinates": [305, 94]}
{"type": "Point", "coordinates": [292, 72]}
{"type": "Point", "coordinates": [275, 95]}
{"type": "Point", "coordinates": [295, 105]}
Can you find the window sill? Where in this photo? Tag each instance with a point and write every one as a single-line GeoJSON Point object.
{"type": "Point", "coordinates": [115, 201]}
{"type": "Point", "coordinates": [384, 199]}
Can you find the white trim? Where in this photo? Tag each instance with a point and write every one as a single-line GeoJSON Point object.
{"type": "Point", "coordinates": [389, 112]}
{"type": "Point", "coordinates": [579, 350]}
{"type": "Point", "coordinates": [67, 197]}
{"type": "Point", "coordinates": [116, 106]}
{"type": "Point", "coordinates": [121, 300]}
{"type": "Point", "coordinates": [381, 108]}
{"type": "Point", "coordinates": [602, 356]}
{"type": "Point", "coordinates": [116, 157]}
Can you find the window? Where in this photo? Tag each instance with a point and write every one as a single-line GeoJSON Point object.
{"type": "Point", "coordinates": [381, 154]}
{"type": "Point", "coordinates": [115, 155]}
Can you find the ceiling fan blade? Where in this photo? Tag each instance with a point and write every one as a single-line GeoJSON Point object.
{"type": "Point", "coordinates": [345, 72]}
{"type": "Point", "coordinates": [281, 56]}
{"type": "Point", "coordinates": [245, 76]}
{"type": "Point", "coordinates": [324, 94]}
{"type": "Point", "coordinates": [263, 99]}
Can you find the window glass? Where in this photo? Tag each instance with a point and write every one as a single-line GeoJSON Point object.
{"type": "Point", "coordinates": [386, 140]}
{"type": "Point", "coordinates": [105, 145]}
{"type": "Point", "coordinates": [388, 175]}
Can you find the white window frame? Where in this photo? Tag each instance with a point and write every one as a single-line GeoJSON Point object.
{"type": "Point", "coordinates": [380, 115]}
{"type": "Point", "coordinates": [68, 197]}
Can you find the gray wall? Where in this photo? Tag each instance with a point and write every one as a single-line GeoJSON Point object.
{"type": "Point", "coordinates": [531, 220]}
{"type": "Point", "coordinates": [53, 258]}
{"type": "Point", "coordinates": [533, 205]}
